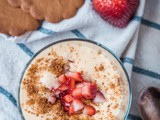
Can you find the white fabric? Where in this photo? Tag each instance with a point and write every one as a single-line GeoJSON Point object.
{"type": "Point", "coordinates": [134, 40]}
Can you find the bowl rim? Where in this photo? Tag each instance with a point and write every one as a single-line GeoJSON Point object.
{"type": "Point", "coordinates": [83, 40]}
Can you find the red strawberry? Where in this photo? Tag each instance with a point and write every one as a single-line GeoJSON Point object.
{"type": "Point", "coordinates": [66, 108]}
{"type": "Point", "coordinates": [57, 92]}
{"type": "Point", "coordinates": [89, 110]}
{"type": "Point", "coordinates": [75, 75]}
{"type": "Point", "coordinates": [77, 105]}
{"type": "Point", "coordinates": [62, 78]}
{"type": "Point", "coordinates": [71, 83]}
{"type": "Point", "coordinates": [116, 12]}
{"type": "Point", "coordinates": [68, 98]}
{"type": "Point", "coordinates": [99, 98]}
{"type": "Point", "coordinates": [79, 85]}
{"type": "Point", "coordinates": [89, 90]}
{"type": "Point", "coordinates": [52, 99]}
{"type": "Point", "coordinates": [77, 93]}
{"type": "Point", "coordinates": [63, 87]}
{"type": "Point", "coordinates": [71, 110]}
{"type": "Point", "coordinates": [66, 67]}
{"type": "Point", "coordinates": [67, 104]}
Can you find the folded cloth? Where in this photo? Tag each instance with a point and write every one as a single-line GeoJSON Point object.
{"type": "Point", "coordinates": [86, 24]}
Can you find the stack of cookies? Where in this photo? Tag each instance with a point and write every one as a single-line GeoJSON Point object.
{"type": "Point", "coordinates": [20, 16]}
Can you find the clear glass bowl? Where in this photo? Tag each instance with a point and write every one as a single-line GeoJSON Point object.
{"type": "Point", "coordinates": [127, 94]}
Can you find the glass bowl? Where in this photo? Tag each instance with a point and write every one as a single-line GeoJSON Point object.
{"type": "Point", "coordinates": [127, 94]}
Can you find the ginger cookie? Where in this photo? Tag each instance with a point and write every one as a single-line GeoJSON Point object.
{"type": "Point", "coordinates": [50, 10]}
{"type": "Point", "coordinates": [15, 22]}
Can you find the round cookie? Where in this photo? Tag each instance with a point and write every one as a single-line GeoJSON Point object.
{"type": "Point", "coordinates": [49, 10]}
{"type": "Point", "coordinates": [15, 22]}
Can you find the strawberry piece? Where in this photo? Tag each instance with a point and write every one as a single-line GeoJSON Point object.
{"type": "Point", "coordinates": [116, 12]}
{"type": "Point", "coordinates": [77, 105]}
{"type": "Point", "coordinates": [71, 83]}
{"type": "Point", "coordinates": [66, 108]}
{"type": "Point", "coordinates": [71, 110]}
{"type": "Point", "coordinates": [77, 93]}
{"type": "Point", "coordinates": [63, 87]}
{"type": "Point", "coordinates": [52, 99]}
{"type": "Point", "coordinates": [89, 110]}
{"type": "Point", "coordinates": [75, 75]}
{"type": "Point", "coordinates": [62, 78]}
{"type": "Point", "coordinates": [79, 85]}
{"type": "Point", "coordinates": [68, 98]}
{"type": "Point", "coordinates": [66, 67]}
{"type": "Point", "coordinates": [67, 104]}
{"type": "Point", "coordinates": [89, 90]}
{"type": "Point", "coordinates": [57, 92]}
{"type": "Point", "coordinates": [61, 95]}
{"type": "Point", "coordinates": [99, 98]}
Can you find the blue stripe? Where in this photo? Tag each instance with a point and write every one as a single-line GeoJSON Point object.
{"type": "Point", "coordinates": [127, 60]}
{"type": "Point", "coordinates": [141, 70]}
{"type": "Point", "coordinates": [46, 31]}
{"type": "Point", "coordinates": [25, 49]}
{"type": "Point", "coordinates": [147, 22]}
{"type": "Point", "coordinates": [137, 18]}
{"type": "Point", "coordinates": [146, 72]}
{"type": "Point", "coordinates": [78, 33]}
{"type": "Point", "coordinates": [8, 95]}
{"type": "Point", "coordinates": [133, 117]}
{"type": "Point", "coordinates": [150, 24]}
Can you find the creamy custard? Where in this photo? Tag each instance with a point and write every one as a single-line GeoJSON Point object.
{"type": "Point", "coordinates": [96, 65]}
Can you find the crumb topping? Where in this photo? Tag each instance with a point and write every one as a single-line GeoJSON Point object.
{"type": "Point", "coordinates": [99, 68]}
{"type": "Point", "coordinates": [57, 67]}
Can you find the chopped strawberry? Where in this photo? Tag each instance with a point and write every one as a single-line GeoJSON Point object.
{"type": "Point", "coordinates": [89, 90]}
{"type": "Point", "coordinates": [77, 93]}
{"type": "Point", "coordinates": [53, 94]}
{"type": "Point", "coordinates": [63, 87]}
{"type": "Point", "coordinates": [66, 67]}
{"type": "Point", "coordinates": [116, 12]}
{"type": "Point", "coordinates": [55, 86]}
{"type": "Point", "coordinates": [57, 92]}
{"type": "Point", "coordinates": [99, 98]}
{"type": "Point", "coordinates": [66, 108]}
{"type": "Point", "coordinates": [71, 109]}
{"type": "Point", "coordinates": [61, 95]}
{"type": "Point", "coordinates": [62, 78]}
{"type": "Point", "coordinates": [89, 110]}
{"type": "Point", "coordinates": [79, 85]}
{"type": "Point", "coordinates": [67, 104]}
{"type": "Point", "coordinates": [68, 98]}
{"type": "Point", "coordinates": [71, 83]}
{"type": "Point", "coordinates": [51, 89]}
{"type": "Point", "coordinates": [77, 105]}
{"type": "Point", "coordinates": [75, 75]}
{"type": "Point", "coordinates": [52, 99]}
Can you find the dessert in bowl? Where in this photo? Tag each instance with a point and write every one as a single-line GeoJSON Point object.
{"type": "Point", "coordinates": [74, 79]}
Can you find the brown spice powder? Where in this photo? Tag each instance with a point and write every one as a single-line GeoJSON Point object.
{"type": "Point", "coordinates": [99, 68]}
{"type": "Point", "coordinates": [57, 67]}
{"type": "Point", "coordinates": [39, 103]}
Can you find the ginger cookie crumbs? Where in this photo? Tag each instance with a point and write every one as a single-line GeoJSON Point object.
{"type": "Point", "coordinates": [71, 49]}
{"type": "Point", "coordinates": [57, 67]}
{"type": "Point", "coordinates": [38, 103]}
{"type": "Point", "coordinates": [99, 52]}
{"type": "Point", "coordinates": [43, 106]}
{"type": "Point", "coordinates": [99, 68]}
{"type": "Point", "coordinates": [30, 102]}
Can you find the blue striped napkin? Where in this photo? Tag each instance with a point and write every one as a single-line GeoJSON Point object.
{"type": "Point", "coordinates": [137, 45]}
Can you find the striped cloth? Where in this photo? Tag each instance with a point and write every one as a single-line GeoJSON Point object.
{"type": "Point", "coordinates": [137, 45]}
